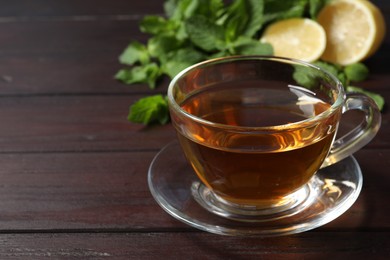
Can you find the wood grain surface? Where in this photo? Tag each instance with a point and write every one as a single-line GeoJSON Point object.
{"type": "Point", "coordinates": [74, 170]}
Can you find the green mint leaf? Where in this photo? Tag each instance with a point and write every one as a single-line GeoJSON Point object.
{"type": "Point", "coordinates": [208, 8]}
{"type": "Point", "coordinates": [328, 67]}
{"type": "Point", "coordinates": [149, 110]}
{"type": "Point", "coordinates": [334, 69]}
{"type": "Point", "coordinates": [242, 18]}
{"type": "Point", "coordinates": [255, 22]}
{"type": "Point", "coordinates": [159, 46]}
{"type": "Point", "coordinates": [190, 7]}
{"type": "Point", "coordinates": [308, 78]}
{"type": "Point", "coordinates": [181, 9]}
{"type": "Point", "coordinates": [236, 18]}
{"type": "Point", "coordinates": [343, 78]}
{"type": "Point", "coordinates": [231, 29]}
{"type": "Point", "coordinates": [154, 24]}
{"type": "Point", "coordinates": [148, 73]}
{"type": "Point", "coordinates": [216, 8]}
{"type": "Point", "coordinates": [252, 47]}
{"type": "Point", "coordinates": [135, 52]}
{"type": "Point", "coordinates": [304, 76]}
{"type": "Point", "coordinates": [180, 59]}
{"type": "Point", "coordinates": [356, 72]}
{"type": "Point", "coordinates": [219, 54]}
{"type": "Point", "coordinates": [170, 7]}
{"type": "Point", "coordinates": [378, 99]}
{"type": "Point", "coordinates": [204, 33]}
{"type": "Point", "coordinates": [181, 32]}
{"type": "Point", "coordinates": [278, 10]}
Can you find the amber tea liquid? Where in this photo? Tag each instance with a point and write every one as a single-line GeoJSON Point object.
{"type": "Point", "coordinates": [258, 166]}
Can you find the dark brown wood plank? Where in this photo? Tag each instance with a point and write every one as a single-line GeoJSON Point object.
{"type": "Point", "coordinates": [67, 36]}
{"type": "Point", "coordinates": [78, 191]}
{"type": "Point", "coordinates": [81, 73]}
{"type": "Point", "coordinates": [332, 245]}
{"type": "Point", "coordinates": [66, 57]}
{"type": "Point", "coordinates": [75, 123]}
{"type": "Point", "coordinates": [26, 8]}
{"type": "Point", "coordinates": [73, 33]}
{"type": "Point", "coordinates": [109, 191]}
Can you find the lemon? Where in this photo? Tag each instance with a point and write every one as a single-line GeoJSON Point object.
{"type": "Point", "coordinates": [298, 38]}
{"type": "Point", "coordinates": [354, 29]}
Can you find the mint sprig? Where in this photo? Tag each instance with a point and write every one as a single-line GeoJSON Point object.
{"type": "Point", "coordinates": [195, 30]}
{"type": "Point", "coordinates": [149, 110]}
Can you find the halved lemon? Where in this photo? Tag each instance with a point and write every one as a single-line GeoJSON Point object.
{"type": "Point", "coordinates": [298, 38]}
{"type": "Point", "coordinates": [354, 29]}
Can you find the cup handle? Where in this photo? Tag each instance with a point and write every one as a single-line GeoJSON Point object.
{"type": "Point", "coordinates": [362, 134]}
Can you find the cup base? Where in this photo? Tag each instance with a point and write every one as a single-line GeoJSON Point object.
{"type": "Point", "coordinates": [286, 207]}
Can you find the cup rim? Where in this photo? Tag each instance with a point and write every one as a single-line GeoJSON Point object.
{"type": "Point", "coordinates": [294, 125]}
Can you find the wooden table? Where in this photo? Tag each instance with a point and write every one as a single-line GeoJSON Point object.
{"type": "Point", "coordinates": [74, 171]}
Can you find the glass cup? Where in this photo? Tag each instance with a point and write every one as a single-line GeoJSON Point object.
{"type": "Point", "coordinates": [256, 129]}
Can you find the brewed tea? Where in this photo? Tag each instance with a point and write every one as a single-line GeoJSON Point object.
{"type": "Point", "coordinates": [252, 167]}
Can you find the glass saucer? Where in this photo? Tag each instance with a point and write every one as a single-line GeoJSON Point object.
{"type": "Point", "coordinates": [176, 188]}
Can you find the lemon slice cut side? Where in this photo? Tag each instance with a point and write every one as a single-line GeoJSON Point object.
{"type": "Point", "coordinates": [354, 29]}
{"type": "Point", "coordinates": [298, 38]}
